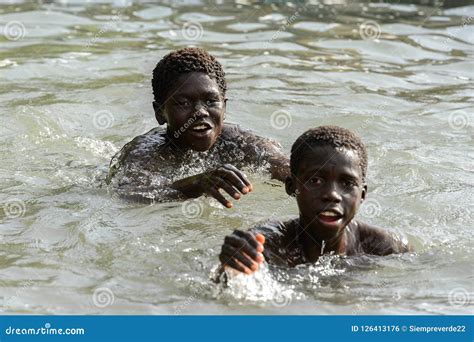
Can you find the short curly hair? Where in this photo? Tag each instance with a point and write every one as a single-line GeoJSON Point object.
{"type": "Point", "coordinates": [182, 61]}
{"type": "Point", "coordinates": [328, 135]}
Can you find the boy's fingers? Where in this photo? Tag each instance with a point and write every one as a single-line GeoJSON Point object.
{"type": "Point", "coordinates": [242, 177]}
{"type": "Point", "coordinates": [220, 198]}
{"type": "Point", "coordinates": [250, 239]}
{"type": "Point", "coordinates": [239, 173]}
{"type": "Point", "coordinates": [241, 245]}
{"type": "Point", "coordinates": [261, 240]}
{"type": "Point", "coordinates": [232, 263]}
{"type": "Point", "coordinates": [246, 261]}
{"type": "Point", "coordinates": [227, 253]}
{"type": "Point", "coordinates": [231, 178]}
{"type": "Point", "coordinates": [245, 241]}
{"type": "Point", "coordinates": [227, 188]}
{"type": "Point", "coordinates": [246, 270]}
{"type": "Point", "coordinates": [231, 257]}
{"type": "Point", "coordinates": [238, 178]}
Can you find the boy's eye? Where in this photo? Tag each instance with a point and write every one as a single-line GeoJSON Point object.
{"type": "Point", "coordinates": [212, 102]}
{"type": "Point", "coordinates": [183, 102]}
{"type": "Point", "coordinates": [316, 181]}
{"type": "Point", "coordinates": [349, 185]}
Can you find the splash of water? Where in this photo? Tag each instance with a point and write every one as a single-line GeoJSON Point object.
{"type": "Point", "coordinates": [258, 287]}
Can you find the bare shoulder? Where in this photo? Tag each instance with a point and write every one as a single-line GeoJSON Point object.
{"type": "Point", "coordinates": [144, 144]}
{"type": "Point", "coordinates": [141, 153]}
{"type": "Point", "coordinates": [232, 131]}
{"type": "Point", "coordinates": [379, 241]}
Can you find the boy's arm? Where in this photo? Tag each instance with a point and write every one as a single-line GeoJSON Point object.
{"type": "Point", "coordinates": [243, 249]}
{"type": "Point", "coordinates": [226, 177]}
{"type": "Point", "coordinates": [132, 179]}
{"type": "Point", "coordinates": [136, 175]}
{"type": "Point", "coordinates": [242, 252]}
{"type": "Point", "coordinates": [380, 242]}
{"type": "Point", "coordinates": [140, 185]}
{"type": "Point", "coordinates": [279, 165]}
{"type": "Point", "coordinates": [143, 187]}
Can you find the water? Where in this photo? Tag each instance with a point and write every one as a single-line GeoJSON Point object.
{"type": "Point", "coordinates": [76, 87]}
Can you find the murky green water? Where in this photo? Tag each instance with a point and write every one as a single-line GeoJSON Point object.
{"type": "Point", "coordinates": [75, 86]}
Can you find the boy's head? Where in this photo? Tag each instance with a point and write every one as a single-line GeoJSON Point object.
{"type": "Point", "coordinates": [328, 169]}
{"type": "Point", "coordinates": [189, 96]}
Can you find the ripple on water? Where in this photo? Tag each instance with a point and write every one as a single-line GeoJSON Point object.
{"type": "Point", "coordinates": [401, 91]}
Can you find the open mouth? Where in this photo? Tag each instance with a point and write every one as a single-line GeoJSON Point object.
{"type": "Point", "coordinates": [201, 127]}
{"type": "Point", "coordinates": [330, 216]}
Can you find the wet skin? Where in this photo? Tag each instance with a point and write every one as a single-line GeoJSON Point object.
{"type": "Point", "coordinates": [194, 114]}
{"type": "Point", "coordinates": [151, 168]}
{"type": "Point", "coordinates": [329, 189]}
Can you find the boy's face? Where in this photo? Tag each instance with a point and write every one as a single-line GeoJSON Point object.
{"type": "Point", "coordinates": [194, 111]}
{"type": "Point", "coordinates": [329, 189]}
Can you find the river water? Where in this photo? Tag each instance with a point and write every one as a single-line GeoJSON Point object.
{"type": "Point", "coordinates": [75, 86]}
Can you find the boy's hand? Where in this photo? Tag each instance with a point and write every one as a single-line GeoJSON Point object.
{"type": "Point", "coordinates": [242, 251]}
{"type": "Point", "coordinates": [226, 177]}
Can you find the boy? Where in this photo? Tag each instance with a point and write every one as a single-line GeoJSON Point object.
{"type": "Point", "coordinates": [197, 153]}
{"type": "Point", "coordinates": [328, 169]}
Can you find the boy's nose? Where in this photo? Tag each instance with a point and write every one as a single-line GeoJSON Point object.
{"type": "Point", "coordinates": [200, 110]}
{"type": "Point", "coordinates": [331, 194]}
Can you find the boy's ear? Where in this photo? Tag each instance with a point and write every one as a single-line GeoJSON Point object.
{"type": "Point", "coordinates": [159, 114]}
{"type": "Point", "coordinates": [364, 193]}
{"type": "Point", "coordinates": [290, 186]}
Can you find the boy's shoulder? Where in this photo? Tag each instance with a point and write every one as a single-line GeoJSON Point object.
{"type": "Point", "coordinates": [139, 153]}
{"type": "Point", "coordinates": [231, 131]}
{"type": "Point", "coordinates": [275, 229]}
{"type": "Point", "coordinates": [145, 143]}
{"type": "Point", "coordinates": [378, 241]}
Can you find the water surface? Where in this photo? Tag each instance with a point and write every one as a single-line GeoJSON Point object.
{"type": "Point", "coordinates": [75, 86]}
